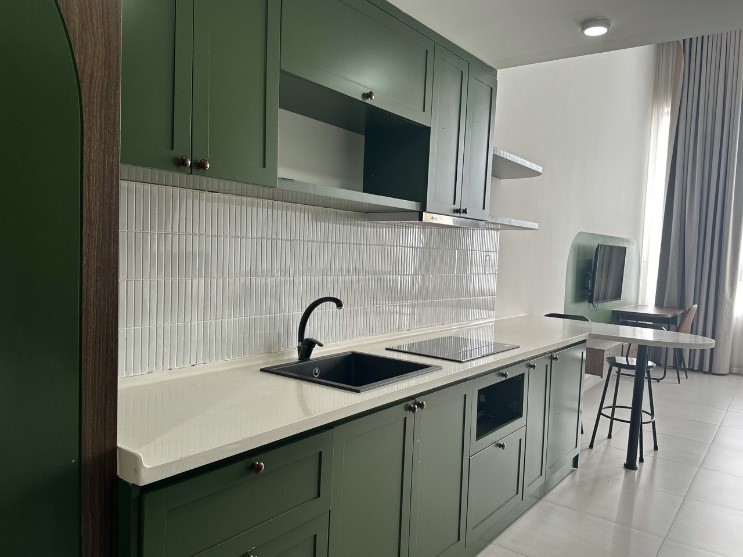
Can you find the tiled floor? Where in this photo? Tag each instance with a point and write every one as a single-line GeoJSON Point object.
{"type": "Point", "coordinates": [686, 500]}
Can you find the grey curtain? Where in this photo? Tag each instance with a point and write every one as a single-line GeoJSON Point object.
{"type": "Point", "coordinates": [703, 220]}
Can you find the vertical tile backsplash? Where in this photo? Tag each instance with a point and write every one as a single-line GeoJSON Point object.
{"type": "Point", "coordinates": [205, 277]}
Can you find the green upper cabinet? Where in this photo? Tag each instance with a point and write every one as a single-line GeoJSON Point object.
{"type": "Point", "coordinates": [200, 87]}
{"type": "Point", "coordinates": [156, 80]}
{"type": "Point", "coordinates": [356, 48]}
{"type": "Point", "coordinates": [440, 470]}
{"type": "Point", "coordinates": [446, 158]}
{"type": "Point", "coordinates": [479, 141]}
{"type": "Point", "coordinates": [236, 89]}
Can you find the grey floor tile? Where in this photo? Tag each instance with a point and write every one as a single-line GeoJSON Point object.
{"type": "Point", "coordinates": [709, 527]}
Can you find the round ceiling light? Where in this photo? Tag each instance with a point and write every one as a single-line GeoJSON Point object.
{"type": "Point", "coordinates": [595, 27]}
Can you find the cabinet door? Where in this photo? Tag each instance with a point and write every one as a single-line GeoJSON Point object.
{"type": "Point", "coordinates": [449, 113]}
{"type": "Point", "coordinates": [372, 461]}
{"type": "Point", "coordinates": [156, 79]}
{"type": "Point", "coordinates": [440, 471]}
{"type": "Point", "coordinates": [564, 411]}
{"type": "Point", "coordinates": [308, 540]}
{"type": "Point", "coordinates": [479, 141]}
{"type": "Point", "coordinates": [352, 46]}
{"type": "Point", "coordinates": [236, 76]}
{"type": "Point", "coordinates": [495, 482]}
{"type": "Point", "coordinates": [537, 412]}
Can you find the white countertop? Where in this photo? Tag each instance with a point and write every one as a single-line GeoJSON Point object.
{"type": "Point", "coordinates": [176, 421]}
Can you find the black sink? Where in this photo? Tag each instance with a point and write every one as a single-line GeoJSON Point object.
{"type": "Point", "coordinates": [353, 371]}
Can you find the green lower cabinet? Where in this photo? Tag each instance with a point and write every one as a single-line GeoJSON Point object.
{"type": "Point", "coordinates": [440, 472]}
{"type": "Point", "coordinates": [372, 462]}
{"type": "Point", "coordinates": [563, 439]}
{"type": "Point", "coordinates": [537, 414]}
{"type": "Point", "coordinates": [195, 514]}
{"type": "Point", "coordinates": [495, 482]}
{"type": "Point", "coordinates": [308, 540]}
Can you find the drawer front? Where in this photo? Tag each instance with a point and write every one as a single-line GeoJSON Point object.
{"type": "Point", "coordinates": [308, 540]}
{"type": "Point", "coordinates": [495, 481]}
{"type": "Point", "coordinates": [353, 47]}
{"type": "Point", "coordinates": [499, 405]}
{"type": "Point", "coordinates": [202, 511]}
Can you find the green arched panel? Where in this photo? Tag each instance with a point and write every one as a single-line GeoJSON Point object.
{"type": "Point", "coordinates": [581, 253]}
{"type": "Point", "coordinates": [40, 243]}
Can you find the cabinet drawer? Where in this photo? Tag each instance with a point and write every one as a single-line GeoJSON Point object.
{"type": "Point", "coordinates": [353, 47]}
{"type": "Point", "coordinates": [495, 481]}
{"type": "Point", "coordinates": [308, 540]}
{"type": "Point", "coordinates": [499, 406]}
{"type": "Point", "coordinates": [199, 512]}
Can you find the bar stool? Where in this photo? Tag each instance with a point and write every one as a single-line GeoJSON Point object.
{"type": "Point", "coordinates": [626, 366]}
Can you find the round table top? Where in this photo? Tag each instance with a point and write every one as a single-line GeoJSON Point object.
{"type": "Point", "coordinates": [647, 337]}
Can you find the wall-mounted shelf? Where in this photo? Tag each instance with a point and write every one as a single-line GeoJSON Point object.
{"type": "Point", "coordinates": [508, 166]}
{"type": "Point", "coordinates": [344, 199]}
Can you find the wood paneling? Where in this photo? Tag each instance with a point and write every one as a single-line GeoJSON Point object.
{"type": "Point", "coordinates": [94, 30]}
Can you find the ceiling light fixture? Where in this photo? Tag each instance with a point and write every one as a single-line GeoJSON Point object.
{"type": "Point", "coordinates": [595, 27]}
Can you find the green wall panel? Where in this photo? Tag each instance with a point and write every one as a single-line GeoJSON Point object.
{"type": "Point", "coordinates": [40, 138]}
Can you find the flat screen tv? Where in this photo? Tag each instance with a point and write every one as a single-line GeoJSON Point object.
{"type": "Point", "coordinates": [608, 274]}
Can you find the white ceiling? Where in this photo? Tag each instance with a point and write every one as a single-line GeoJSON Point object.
{"type": "Point", "coordinates": [507, 33]}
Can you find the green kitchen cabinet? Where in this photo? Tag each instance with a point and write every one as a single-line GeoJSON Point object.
{"type": "Point", "coordinates": [440, 473]}
{"type": "Point", "coordinates": [481, 91]}
{"type": "Point", "coordinates": [372, 465]}
{"type": "Point", "coordinates": [200, 87]}
{"type": "Point", "coordinates": [495, 482]}
{"type": "Point", "coordinates": [308, 540]}
{"type": "Point", "coordinates": [260, 496]}
{"type": "Point", "coordinates": [446, 158]}
{"type": "Point", "coordinates": [399, 479]}
{"type": "Point", "coordinates": [537, 415]}
{"type": "Point", "coordinates": [357, 49]}
{"type": "Point", "coordinates": [563, 439]}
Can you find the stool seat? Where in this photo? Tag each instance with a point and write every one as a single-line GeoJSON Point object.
{"type": "Point", "coordinates": [625, 363]}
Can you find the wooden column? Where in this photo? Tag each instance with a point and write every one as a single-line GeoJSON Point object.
{"type": "Point", "coordinates": [94, 28]}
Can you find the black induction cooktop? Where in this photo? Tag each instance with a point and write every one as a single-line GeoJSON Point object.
{"type": "Point", "coordinates": [453, 348]}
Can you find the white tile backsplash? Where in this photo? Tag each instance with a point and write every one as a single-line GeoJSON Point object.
{"type": "Point", "coordinates": [206, 277]}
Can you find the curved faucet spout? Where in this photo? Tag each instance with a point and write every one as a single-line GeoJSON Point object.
{"type": "Point", "coordinates": [305, 346]}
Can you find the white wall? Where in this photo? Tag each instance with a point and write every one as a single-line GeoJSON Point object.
{"type": "Point", "coordinates": [587, 122]}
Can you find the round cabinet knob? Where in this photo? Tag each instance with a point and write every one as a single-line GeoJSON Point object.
{"type": "Point", "coordinates": [464, 211]}
{"type": "Point", "coordinates": [531, 365]}
{"type": "Point", "coordinates": [421, 404]}
{"type": "Point", "coordinates": [457, 211]}
{"type": "Point", "coordinates": [368, 96]}
{"type": "Point", "coordinates": [184, 161]}
{"type": "Point", "coordinates": [500, 445]}
{"type": "Point", "coordinates": [555, 357]}
{"type": "Point", "coordinates": [257, 468]}
{"type": "Point", "coordinates": [203, 164]}
{"type": "Point", "coordinates": [413, 408]}
{"type": "Point", "coordinates": [503, 374]}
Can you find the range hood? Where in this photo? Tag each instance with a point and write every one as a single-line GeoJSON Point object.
{"type": "Point", "coordinates": [434, 219]}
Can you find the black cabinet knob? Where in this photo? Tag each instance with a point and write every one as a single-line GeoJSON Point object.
{"type": "Point", "coordinates": [257, 468]}
{"type": "Point", "coordinates": [421, 404]}
{"type": "Point", "coordinates": [554, 357]}
{"type": "Point", "coordinates": [184, 161]}
{"type": "Point", "coordinates": [413, 408]}
{"type": "Point", "coordinates": [503, 374]}
{"type": "Point", "coordinates": [368, 96]}
{"type": "Point", "coordinates": [500, 445]}
{"type": "Point", "coordinates": [457, 211]}
{"type": "Point", "coordinates": [464, 211]}
{"type": "Point", "coordinates": [203, 164]}
{"type": "Point", "coordinates": [531, 365]}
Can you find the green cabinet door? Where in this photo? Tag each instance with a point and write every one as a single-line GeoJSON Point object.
{"type": "Point", "coordinates": [308, 540]}
{"type": "Point", "coordinates": [537, 413]}
{"type": "Point", "coordinates": [563, 439]}
{"type": "Point", "coordinates": [353, 47]}
{"type": "Point", "coordinates": [372, 461]}
{"type": "Point", "coordinates": [235, 92]}
{"type": "Point", "coordinates": [449, 113]}
{"type": "Point", "coordinates": [440, 470]}
{"type": "Point", "coordinates": [495, 482]}
{"type": "Point", "coordinates": [479, 141]}
{"type": "Point", "coordinates": [156, 80]}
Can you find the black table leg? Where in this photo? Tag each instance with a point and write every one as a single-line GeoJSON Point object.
{"type": "Point", "coordinates": [638, 392]}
